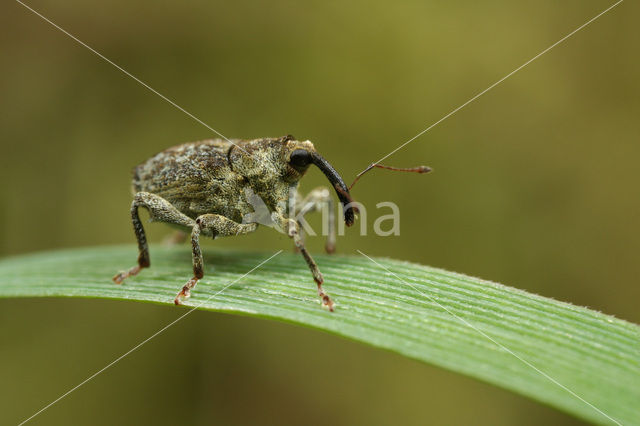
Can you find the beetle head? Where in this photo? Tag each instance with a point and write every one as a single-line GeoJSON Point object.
{"type": "Point", "coordinates": [299, 155]}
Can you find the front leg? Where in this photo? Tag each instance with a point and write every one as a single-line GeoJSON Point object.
{"type": "Point", "coordinates": [318, 200]}
{"type": "Point", "coordinates": [214, 225]}
{"type": "Point", "coordinates": [291, 227]}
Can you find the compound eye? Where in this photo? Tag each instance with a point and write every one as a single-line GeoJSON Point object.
{"type": "Point", "coordinates": [300, 158]}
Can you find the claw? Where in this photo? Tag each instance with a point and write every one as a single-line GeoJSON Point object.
{"type": "Point", "coordinates": [185, 293]}
{"type": "Point", "coordinates": [120, 277]}
{"type": "Point", "coordinates": [326, 300]}
{"type": "Point", "coordinates": [327, 303]}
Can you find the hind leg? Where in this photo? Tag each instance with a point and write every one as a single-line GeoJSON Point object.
{"type": "Point", "coordinates": [160, 210]}
{"type": "Point", "coordinates": [213, 225]}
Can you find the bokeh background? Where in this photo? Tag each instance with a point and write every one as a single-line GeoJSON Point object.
{"type": "Point", "coordinates": [535, 186]}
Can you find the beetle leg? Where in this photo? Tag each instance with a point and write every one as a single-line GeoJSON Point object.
{"type": "Point", "coordinates": [318, 200]}
{"type": "Point", "coordinates": [159, 210]}
{"type": "Point", "coordinates": [198, 271]}
{"type": "Point", "coordinates": [216, 226]}
{"type": "Point", "coordinates": [301, 236]}
{"type": "Point", "coordinates": [292, 229]}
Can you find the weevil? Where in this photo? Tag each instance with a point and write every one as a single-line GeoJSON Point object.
{"type": "Point", "coordinates": [207, 188]}
{"type": "Point", "coordinates": [202, 187]}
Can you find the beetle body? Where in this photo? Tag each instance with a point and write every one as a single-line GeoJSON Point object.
{"type": "Point", "coordinates": [203, 187]}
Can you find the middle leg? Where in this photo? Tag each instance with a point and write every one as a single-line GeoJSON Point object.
{"type": "Point", "coordinates": [213, 225]}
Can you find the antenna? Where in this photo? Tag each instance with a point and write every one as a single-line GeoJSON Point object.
{"type": "Point", "coordinates": [419, 169]}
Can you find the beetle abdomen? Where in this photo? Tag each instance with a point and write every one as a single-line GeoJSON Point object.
{"type": "Point", "coordinates": [195, 177]}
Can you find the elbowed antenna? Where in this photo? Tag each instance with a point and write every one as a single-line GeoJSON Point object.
{"type": "Point", "coordinates": [338, 184]}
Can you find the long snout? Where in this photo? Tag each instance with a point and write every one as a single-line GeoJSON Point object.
{"type": "Point", "coordinates": [338, 184]}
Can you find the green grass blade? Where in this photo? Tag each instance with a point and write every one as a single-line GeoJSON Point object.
{"type": "Point", "coordinates": [590, 361]}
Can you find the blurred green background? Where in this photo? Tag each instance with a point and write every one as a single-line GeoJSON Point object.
{"type": "Point", "coordinates": [535, 186]}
